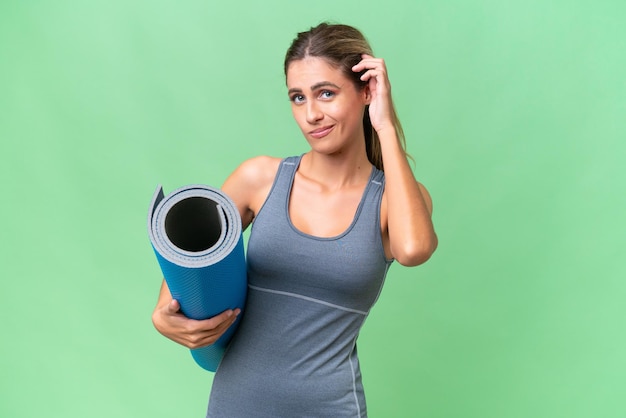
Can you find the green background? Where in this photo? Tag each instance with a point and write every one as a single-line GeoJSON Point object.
{"type": "Point", "coordinates": [513, 110]}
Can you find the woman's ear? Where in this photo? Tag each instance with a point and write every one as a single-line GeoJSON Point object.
{"type": "Point", "coordinates": [367, 94]}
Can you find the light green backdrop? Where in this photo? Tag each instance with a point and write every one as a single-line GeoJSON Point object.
{"type": "Point", "coordinates": [514, 112]}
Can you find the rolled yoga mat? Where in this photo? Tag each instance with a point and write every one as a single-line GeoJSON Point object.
{"type": "Point", "coordinates": [197, 238]}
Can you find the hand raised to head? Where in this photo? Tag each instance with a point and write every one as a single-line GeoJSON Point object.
{"type": "Point", "coordinates": [380, 105]}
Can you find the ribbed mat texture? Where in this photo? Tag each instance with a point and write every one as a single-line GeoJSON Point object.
{"type": "Point", "coordinates": [197, 238]}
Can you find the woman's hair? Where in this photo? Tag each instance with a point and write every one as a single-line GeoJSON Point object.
{"type": "Point", "coordinates": [342, 46]}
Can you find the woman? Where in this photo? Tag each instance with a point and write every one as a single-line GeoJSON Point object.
{"type": "Point", "coordinates": [327, 226]}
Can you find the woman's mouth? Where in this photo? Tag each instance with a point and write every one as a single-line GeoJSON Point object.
{"type": "Point", "coordinates": [321, 132]}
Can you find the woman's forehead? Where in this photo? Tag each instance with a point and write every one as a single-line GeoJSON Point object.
{"type": "Point", "coordinates": [308, 71]}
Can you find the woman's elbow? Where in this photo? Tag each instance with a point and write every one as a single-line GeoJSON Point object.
{"type": "Point", "coordinates": [416, 253]}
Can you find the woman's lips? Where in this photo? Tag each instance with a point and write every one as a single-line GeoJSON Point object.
{"type": "Point", "coordinates": [321, 132]}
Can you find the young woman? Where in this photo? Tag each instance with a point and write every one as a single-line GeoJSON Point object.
{"type": "Point", "coordinates": [326, 227]}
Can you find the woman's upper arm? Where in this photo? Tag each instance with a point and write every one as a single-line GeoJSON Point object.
{"type": "Point", "coordinates": [427, 199]}
{"type": "Point", "coordinates": [420, 240]}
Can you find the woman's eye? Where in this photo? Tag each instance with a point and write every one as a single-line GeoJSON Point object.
{"type": "Point", "coordinates": [327, 94]}
{"type": "Point", "coordinates": [297, 98]}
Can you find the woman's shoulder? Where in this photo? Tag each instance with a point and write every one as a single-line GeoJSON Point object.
{"type": "Point", "coordinates": [258, 170]}
{"type": "Point", "coordinates": [249, 185]}
{"type": "Point", "coordinates": [253, 176]}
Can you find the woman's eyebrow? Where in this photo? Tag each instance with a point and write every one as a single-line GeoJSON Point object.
{"type": "Point", "coordinates": [314, 87]}
{"type": "Point", "coordinates": [324, 84]}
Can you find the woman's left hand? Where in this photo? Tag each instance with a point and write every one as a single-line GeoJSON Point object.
{"type": "Point", "coordinates": [380, 108]}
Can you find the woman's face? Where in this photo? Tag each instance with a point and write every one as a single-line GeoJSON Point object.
{"type": "Point", "coordinates": [326, 104]}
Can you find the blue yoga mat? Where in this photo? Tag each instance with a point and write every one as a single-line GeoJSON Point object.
{"type": "Point", "coordinates": [197, 238]}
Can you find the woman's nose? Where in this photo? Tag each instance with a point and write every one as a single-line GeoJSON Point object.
{"type": "Point", "coordinates": [313, 112]}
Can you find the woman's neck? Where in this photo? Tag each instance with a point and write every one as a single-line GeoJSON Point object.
{"type": "Point", "coordinates": [335, 171]}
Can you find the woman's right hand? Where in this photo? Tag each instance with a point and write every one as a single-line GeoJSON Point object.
{"type": "Point", "coordinates": [173, 324]}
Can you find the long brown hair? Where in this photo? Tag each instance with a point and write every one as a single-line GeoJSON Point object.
{"type": "Point", "coordinates": [342, 46]}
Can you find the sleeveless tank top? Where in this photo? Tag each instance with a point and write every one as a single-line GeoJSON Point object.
{"type": "Point", "coordinates": [294, 354]}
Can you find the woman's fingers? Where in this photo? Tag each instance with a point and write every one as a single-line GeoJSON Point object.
{"type": "Point", "coordinates": [374, 72]}
{"type": "Point", "coordinates": [368, 61]}
{"type": "Point", "coordinates": [207, 331]}
{"type": "Point", "coordinates": [190, 332]}
{"type": "Point", "coordinates": [370, 64]}
{"type": "Point", "coordinates": [173, 307]}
